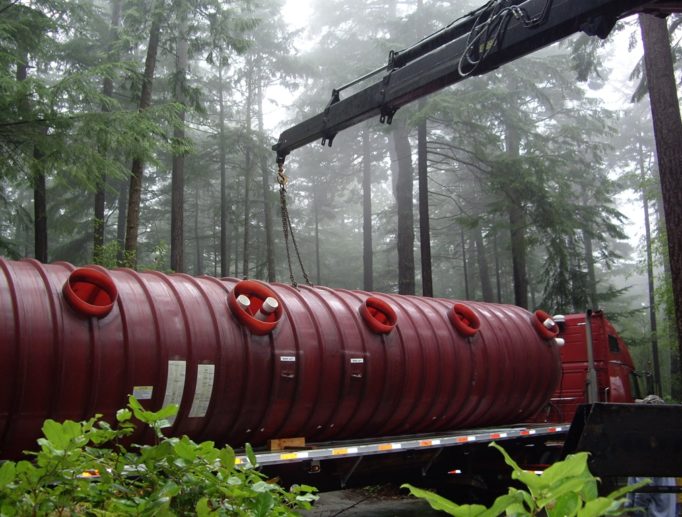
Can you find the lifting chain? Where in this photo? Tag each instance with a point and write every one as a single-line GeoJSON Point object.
{"type": "Point", "coordinates": [286, 225]}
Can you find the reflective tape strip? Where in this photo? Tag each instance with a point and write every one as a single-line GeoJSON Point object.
{"type": "Point", "coordinates": [444, 440]}
{"type": "Point", "coordinates": [344, 450]}
{"type": "Point", "coordinates": [294, 455]}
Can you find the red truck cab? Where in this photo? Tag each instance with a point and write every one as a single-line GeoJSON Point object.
{"type": "Point", "coordinates": [614, 369]}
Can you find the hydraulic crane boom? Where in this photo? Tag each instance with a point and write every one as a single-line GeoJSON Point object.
{"type": "Point", "coordinates": [495, 34]}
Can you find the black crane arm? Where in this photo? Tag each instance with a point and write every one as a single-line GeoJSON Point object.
{"type": "Point", "coordinates": [497, 33]}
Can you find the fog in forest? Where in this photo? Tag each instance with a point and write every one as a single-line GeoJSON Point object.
{"type": "Point", "coordinates": [537, 173]}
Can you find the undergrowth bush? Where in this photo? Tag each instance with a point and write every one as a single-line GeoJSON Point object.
{"type": "Point", "coordinates": [83, 468]}
{"type": "Point", "coordinates": [565, 489]}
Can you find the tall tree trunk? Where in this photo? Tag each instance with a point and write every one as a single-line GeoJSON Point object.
{"type": "Point", "coordinates": [424, 221]}
{"type": "Point", "coordinates": [267, 192]}
{"type": "Point", "coordinates": [404, 201]}
{"type": "Point", "coordinates": [121, 219]}
{"type": "Point", "coordinates": [199, 269]}
{"type": "Point", "coordinates": [670, 328]}
{"type": "Point", "coordinates": [177, 243]}
{"type": "Point", "coordinates": [650, 270]}
{"type": "Point", "coordinates": [225, 248]}
{"type": "Point", "coordinates": [517, 224]}
{"type": "Point", "coordinates": [38, 179]}
{"type": "Point", "coordinates": [591, 276]}
{"type": "Point", "coordinates": [40, 206]}
{"type": "Point", "coordinates": [137, 169]}
{"type": "Point", "coordinates": [483, 272]}
{"type": "Point", "coordinates": [247, 169]}
{"type": "Point", "coordinates": [316, 214]}
{"type": "Point", "coordinates": [592, 295]}
{"type": "Point", "coordinates": [665, 111]}
{"type": "Point", "coordinates": [465, 267]}
{"type": "Point", "coordinates": [652, 294]}
{"type": "Point", "coordinates": [236, 254]}
{"type": "Point", "coordinates": [367, 259]}
{"type": "Point", "coordinates": [498, 273]}
{"type": "Point", "coordinates": [100, 195]}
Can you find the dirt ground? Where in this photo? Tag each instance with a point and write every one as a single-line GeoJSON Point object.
{"type": "Point", "coordinates": [382, 501]}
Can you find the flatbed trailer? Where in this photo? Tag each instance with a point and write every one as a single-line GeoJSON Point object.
{"type": "Point", "coordinates": [622, 439]}
{"type": "Point", "coordinates": [340, 464]}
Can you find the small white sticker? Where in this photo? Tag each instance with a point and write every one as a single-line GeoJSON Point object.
{"type": "Point", "coordinates": [357, 360]}
{"type": "Point", "coordinates": [203, 391]}
{"type": "Point", "coordinates": [175, 384]}
{"type": "Point", "coordinates": [143, 392]}
{"type": "Point", "coordinates": [288, 358]}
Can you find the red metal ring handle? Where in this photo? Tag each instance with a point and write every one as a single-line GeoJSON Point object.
{"type": "Point", "coordinates": [91, 292]}
{"type": "Point", "coordinates": [539, 319]}
{"type": "Point", "coordinates": [378, 315]}
{"type": "Point", "coordinates": [464, 319]}
{"type": "Point", "coordinates": [257, 294]}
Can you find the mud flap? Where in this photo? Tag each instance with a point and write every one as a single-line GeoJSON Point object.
{"type": "Point", "coordinates": [628, 439]}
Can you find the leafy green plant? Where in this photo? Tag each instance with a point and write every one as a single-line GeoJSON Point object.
{"type": "Point", "coordinates": [565, 489]}
{"type": "Point", "coordinates": [83, 468]}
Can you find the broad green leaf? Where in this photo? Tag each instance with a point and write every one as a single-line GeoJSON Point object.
{"type": "Point", "coordinates": [503, 503]}
{"type": "Point", "coordinates": [227, 457]}
{"type": "Point", "coordinates": [262, 486]}
{"type": "Point", "coordinates": [531, 480]}
{"type": "Point", "coordinates": [574, 465]}
{"type": "Point", "coordinates": [185, 449]}
{"type": "Point", "coordinates": [123, 415]}
{"type": "Point", "coordinates": [569, 485]}
{"type": "Point", "coordinates": [599, 506]}
{"type": "Point", "coordinates": [55, 434]}
{"type": "Point", "coordinates": [250, 455]}
{"type": "Point", "coordinates": [202, 509]}
{"type": "Point", "coordinates": [165, 412]}
{"type": "Point", "coordinates": [137, 408]}
{"type": "Point", "coordinates": [440, 503]}
{"type": "Point", "coordinates": [590, 491]}
{"type": "Point", "coordinates": [517, 509]}
{"type": "Point", "coordinates": [263, 505]}
{"type": "Point", "coordinates": [617, 494]}
{"type": "Point", "coordinates": [235, 481]}
{"type": "Point", "coordinates": [7, 473]}
{"type": "Point", "coordinates": [168, 491]}
{"type": "Point", "coordinates": [565, 506]}
{"type": "Point", "coordinates": [307, 498]}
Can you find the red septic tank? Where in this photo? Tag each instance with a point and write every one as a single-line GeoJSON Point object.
{"type": "Point", "coordinates": [249, 361]}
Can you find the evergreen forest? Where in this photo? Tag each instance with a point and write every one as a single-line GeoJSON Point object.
{"type": "Point", "coordinates": [138, 133]}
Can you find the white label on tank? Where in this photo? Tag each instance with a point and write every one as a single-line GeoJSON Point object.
{"type": "Point", "coordinates": [143, 392]}
{"type": "Point", "coordinates": [203, 391]}
{"type": "Point", "coordinates": [175, 384]}
{"type": "Point", "coordinates": [357, 360]}
{"type": "Point", "coordinates": [288, 358]}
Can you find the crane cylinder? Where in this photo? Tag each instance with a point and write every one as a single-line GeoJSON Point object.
{"type": "Point", "coordinates": [247, 361]}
